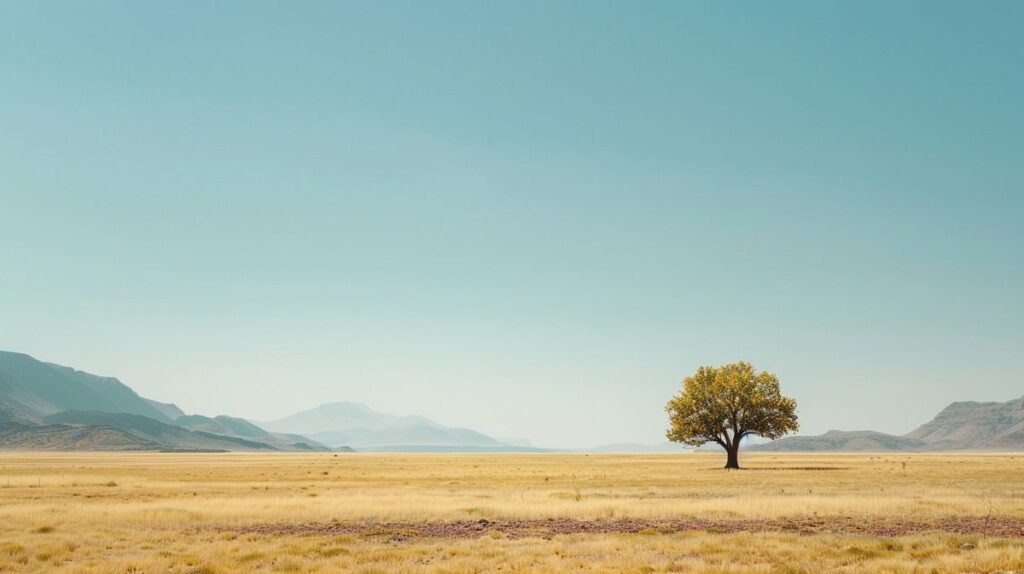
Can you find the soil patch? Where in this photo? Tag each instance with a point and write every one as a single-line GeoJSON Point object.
{"type": "Point", "coordinates": [546, 528]}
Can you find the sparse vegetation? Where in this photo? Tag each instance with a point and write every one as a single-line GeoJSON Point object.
{"type": "Point", "coordinates": [234, 513]}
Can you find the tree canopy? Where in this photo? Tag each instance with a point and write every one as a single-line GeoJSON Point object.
{"type": "Point", "coordinates": [724, 405]}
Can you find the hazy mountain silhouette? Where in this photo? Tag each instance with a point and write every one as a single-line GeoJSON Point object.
{"type": "Point", "coordinates": [359, 426]}
{"type": "Point", "coordinates": [844, 441]}
{"type": "Point", "coordinates": [44, 406]}
{"type": "Point", "coordinates": [639, 448]}
{"type": "Point", "coordinates": [241, 428]}
{"type": "Point", "coordinates": [32, 389]}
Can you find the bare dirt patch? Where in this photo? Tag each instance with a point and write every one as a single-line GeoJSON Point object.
{"type": "Point", "coordinates": [994, 527]}
{"type": "Point", "coordinates": [809, 468]}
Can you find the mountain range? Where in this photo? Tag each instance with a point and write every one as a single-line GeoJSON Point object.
{"type": "Point", "coordinates": [44, 406]}
{"type": "Point", "coordinates": [358, 426]}
{"type": "Point", "coordinates": [962, 426]}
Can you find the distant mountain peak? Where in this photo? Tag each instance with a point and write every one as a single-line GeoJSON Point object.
{"type": "Point", "coordinates": [359, 426]}
{"type": "Point", "coordinates": [345, 406]}
{"type": "Point", "coordinates": [46, 406]}
{"type": "Point", "coordinates": [976, 426]}
{"type": "Point", "coordinates": [36, 389]}
{"type": "Point", "coordinates": [962, 425]}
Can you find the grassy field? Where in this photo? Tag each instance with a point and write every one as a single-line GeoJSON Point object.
{"type": "Point", "coordinates": [207, 513]}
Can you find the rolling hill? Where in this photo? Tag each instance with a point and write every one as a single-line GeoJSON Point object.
{"type": "Point", "coordinates": [169, 436]}
{"type": "Point", "coordinates": [962, 426]}
{"type": "Point", "coordinates": [843, 441]}
{"type": "Point", "coordinates": [44, 406]}
{"type": "Point", "coordinates": [15, 436]}
{"type": "Point", "coordinates": [974, 425]}
{"type": "Point", "coordinates": [241, 428]}
{"type": "Point", "coordinates": [638, 448]}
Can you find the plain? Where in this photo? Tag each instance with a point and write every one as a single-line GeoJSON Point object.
{"type": "Point", "coordinates": [151, 512]}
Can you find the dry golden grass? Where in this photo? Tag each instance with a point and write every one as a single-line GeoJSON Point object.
{"type": "Point", "coordinates": [150, 512]}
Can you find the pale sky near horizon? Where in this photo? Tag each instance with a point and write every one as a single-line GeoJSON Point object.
{"type": "Point", "coordinates": [532, 219]}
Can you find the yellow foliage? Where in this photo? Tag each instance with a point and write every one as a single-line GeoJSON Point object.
{"type": "Point", "coordinates": [724, 405]}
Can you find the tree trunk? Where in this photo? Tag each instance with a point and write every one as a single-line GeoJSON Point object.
{"type": "Point", "coordinates": [734, 456]}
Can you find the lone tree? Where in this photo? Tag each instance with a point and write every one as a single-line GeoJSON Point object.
{"type": "Point", "coordinates": [725, 404]}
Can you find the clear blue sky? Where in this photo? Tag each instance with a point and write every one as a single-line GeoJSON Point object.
{"type": "Point", "coordinates": [532, 219]}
